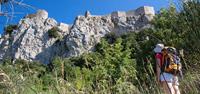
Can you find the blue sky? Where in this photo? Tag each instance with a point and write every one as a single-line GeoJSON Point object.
{"type": "Point", "coordinates": [66, 10]}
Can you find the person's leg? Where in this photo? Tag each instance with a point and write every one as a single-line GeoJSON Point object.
{"type": "Point", "coordinates": [176, 88]}
{"type": "Point", "coordinates": [168, 88]}
{"type": "Point", "coordinates": [167, 80]}
{"type": "Point", "coordinates": [175, 85]}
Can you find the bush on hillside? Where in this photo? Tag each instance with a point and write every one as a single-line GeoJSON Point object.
{"type": "Point", "coordinates": [54, 32]}
{"type": "Point", "coordinates": [9, 29]}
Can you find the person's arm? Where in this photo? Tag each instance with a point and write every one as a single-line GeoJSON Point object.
{"type": "Point", "coordinates": [178, 61]}
{"type": "Point", "coordinates": [158, 69]}
{"type": "Point", "coordinates": [180, 70]}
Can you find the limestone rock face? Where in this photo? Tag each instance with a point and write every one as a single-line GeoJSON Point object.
{"type": "Point", "coordinates": [31, 40]}
{"type": "Point", "coordinates": [64, 28]}
{"type": "Point", "coordinates": [42, 14]}
{"type": "Point", "coordinates": [87, 14]}
{"type": "Point", "coordinates": [86, 32]}
{"type": "Point", "coordinates": [4, 46]}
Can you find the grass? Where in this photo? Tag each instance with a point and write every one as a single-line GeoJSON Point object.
{"type": "Point", "coordinates": [15, 80]}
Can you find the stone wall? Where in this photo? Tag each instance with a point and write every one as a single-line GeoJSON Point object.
{"type": "Point", "coordinates": [145, 10]}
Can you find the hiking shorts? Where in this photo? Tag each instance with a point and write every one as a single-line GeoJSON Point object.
{"type": "Point", "coordinates": [166, 77]}
{"type": "Point", "coordinates": [169, 78]}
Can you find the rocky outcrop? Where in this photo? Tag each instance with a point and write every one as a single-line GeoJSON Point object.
{"type": "Point", "coordinates": [87, 30]}
{"type": "Point", "coordinates": [31, 40]}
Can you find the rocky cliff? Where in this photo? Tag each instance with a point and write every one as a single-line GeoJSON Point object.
{"type": "Point", "coordinates": [31, 40]}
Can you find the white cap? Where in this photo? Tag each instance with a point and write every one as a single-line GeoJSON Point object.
{"type": "Point", "coordinates": [158, 48]}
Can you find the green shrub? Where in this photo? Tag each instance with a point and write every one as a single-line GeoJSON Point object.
{"type": "Point", "coordinates": [53, 32]}
{"type": "Point", "coordinates": [9, 29]}
{"type": "Point", "coordinates": [111, 37]}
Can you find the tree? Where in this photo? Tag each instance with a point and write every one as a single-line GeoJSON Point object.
{"type": "Point", "coordinates": [7, 8]}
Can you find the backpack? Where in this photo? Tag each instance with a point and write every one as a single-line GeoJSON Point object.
{"type": "Point", "coordinates": [170, 62]}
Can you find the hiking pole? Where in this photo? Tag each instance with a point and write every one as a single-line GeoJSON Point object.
{"type": "Point", "coordinates": [167, 84]}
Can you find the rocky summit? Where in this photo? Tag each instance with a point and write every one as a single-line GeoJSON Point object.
{"type": "Point", "coordinates": [32, 38]}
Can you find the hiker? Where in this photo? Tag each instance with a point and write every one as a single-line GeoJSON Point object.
{"type": "Point", "coordinates": [175, 83]}
{"type": "Point", "coordinates": [164, 79]}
